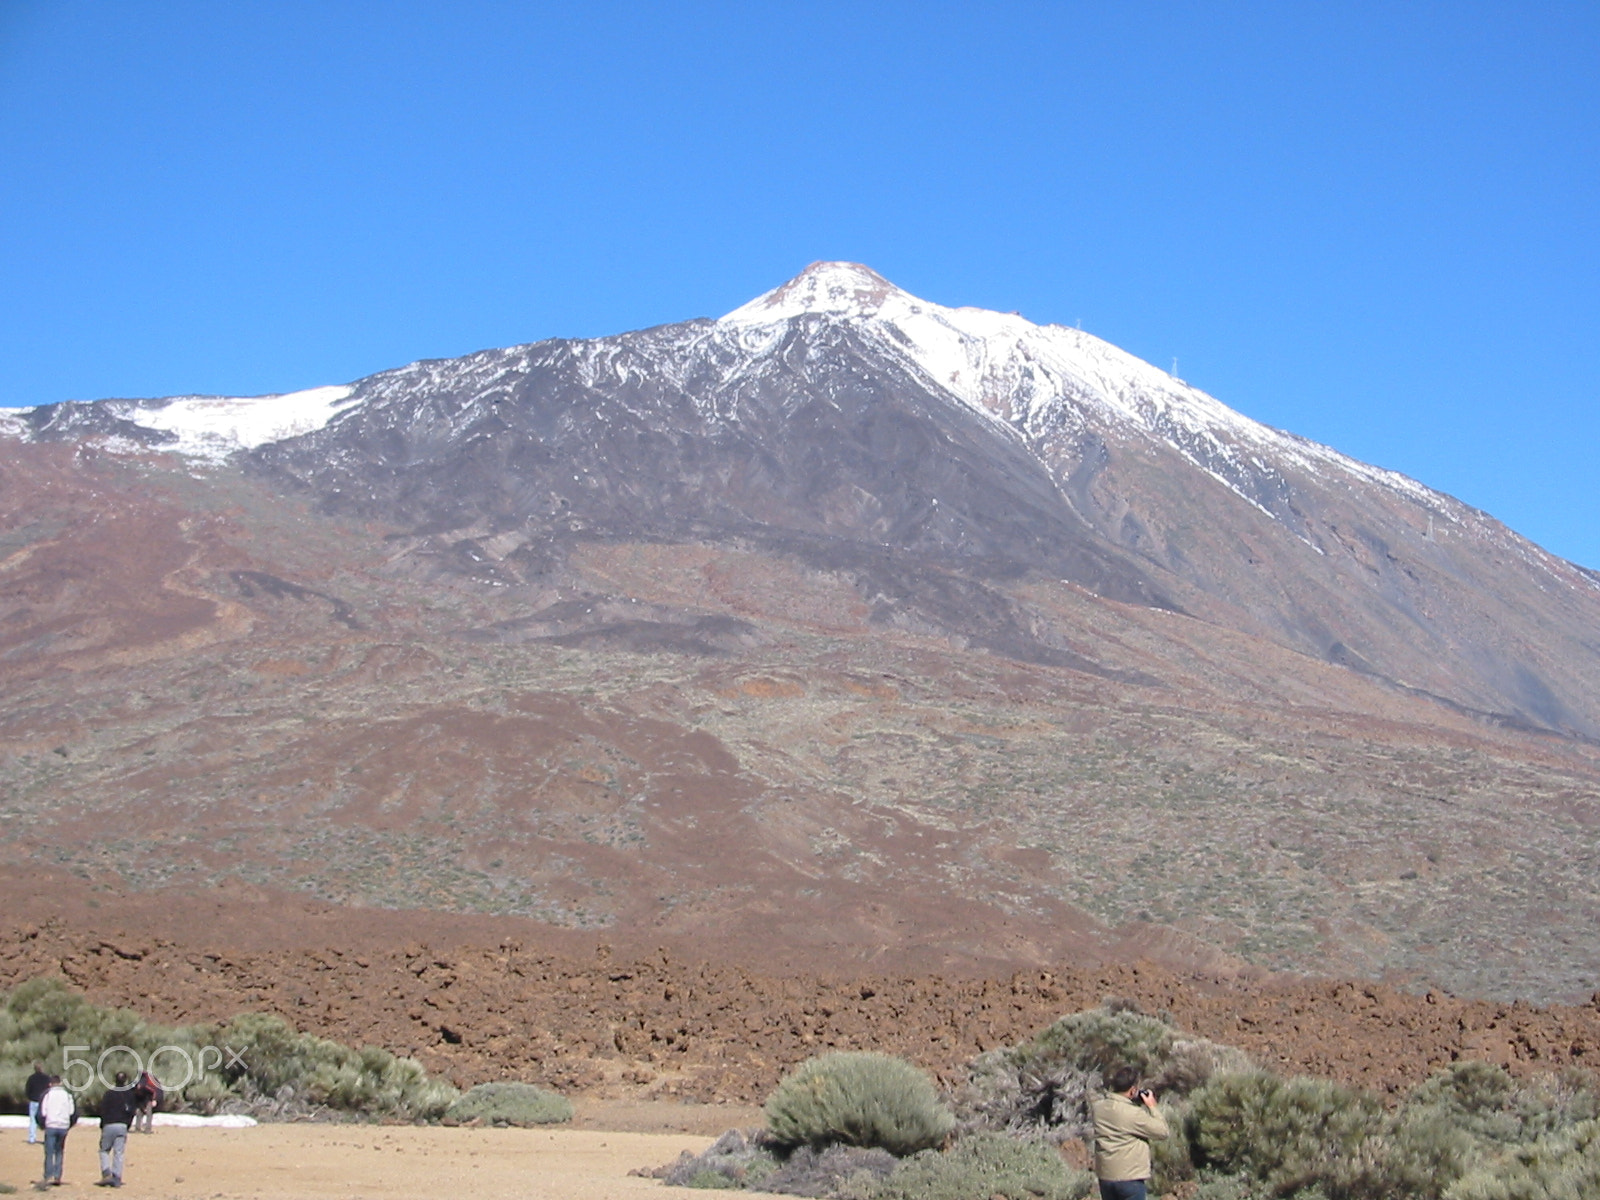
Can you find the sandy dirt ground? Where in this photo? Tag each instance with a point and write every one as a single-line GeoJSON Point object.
{"type": "Point", "coordinates": [583, 1161]}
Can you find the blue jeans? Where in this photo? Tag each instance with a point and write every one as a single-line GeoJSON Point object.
{"type": "Point", "coordinates": [113, 1144]}
{"type": "Point", "coordinates": [55, 1142]}
{"type": "Point", "coordinates": [33, 1121]}
{"type": "Point", "coordinates": [1122, 1189]}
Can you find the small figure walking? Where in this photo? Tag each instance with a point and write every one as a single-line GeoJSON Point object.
{"type": "Point", "coordinates": [57, 1111]}
{"type": "Point", "coordinates": [38, 1084]}
{"type": "Point", "coordinates": [117, 1110]}
{"type": "Point", "coordinates": [1125, 1121]}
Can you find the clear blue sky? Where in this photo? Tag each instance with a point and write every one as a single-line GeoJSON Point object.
{"type": "Point", "coordinates": [1377, 225]}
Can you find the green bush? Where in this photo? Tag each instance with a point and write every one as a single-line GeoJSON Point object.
{"type": "Point", "coordinates": [1416, 1155]}
{"type": "Point", "coordinates": [1560, 1166]}
{"type": "Point", "coordinates": [1289, 1133]}
{"type": "Point", "coordinates": [1043, 1087]}
{"type": "Point", "coordinates": [858, 1099]}
{"type": "Point", "coordinates": [274, 1060]}
{"type": "Point", "coordinates": [1102, 1039]}
{"type": "Point", "coordinates": [1225, 1187]}
{"type": "Point", "coordinates": [1479, 1097]}
{"type": "Point", "coordinates": [42, 1017]}
{"type": "Point", "coordinates": [1484, 1101]}
{"type": "Point", "coordinates": [1553, 1102]}
{"type": "Point", "coordinates": [985, 1165]}
{"type": "Point", "coordinates": [1316, 1140]}
{"type": "Point", "coordinates": [510, 1104]}
{"type": "Point", "coordinates": [271, 1067]}
{"type": "Point", "coordinates": [1170, 1160]}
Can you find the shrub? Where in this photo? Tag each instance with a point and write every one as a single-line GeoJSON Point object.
{"type": "Point", "coordinates": [1313, 1139]}
{"type": "Point", "coordinates": [859, 1099]}
{"type": "Point", "coordinates": [1016, 1092]}
{"type": "Point", "coordinates": [510, 1104]}
{"type": "Point", "coordinates": [1241, 1133]}
{"type": "Point", "coordinates": [272, 1059]}
{"type": "Point", "coordinates": [709, 1179]}
{"type": "Point", "coordinates": [1289, 1133]}
{"type": "Point", "coordinates": [984, 1165]}
{"type": "Point", "coordinates": [1476, 1096]}
{"type": "Point", "coordinates": [1483, 1100]}
{"type": "Point", "coordinates": [208, 1094]}
{"type": "Point", "coordinates": [836, 1171]}
{"type": "Point", "coordinates": [1102, 1039]}
{"type": "Point", "coordinates": [1422, 1154]}
{"type": "Point", "coordinates": [43, 1016]}
{"type": "Point", "coordinates": [1224, 1187]}
{"type": "Point", "coordinates": [1561, 1166]}
{"type": "Point", "coordinates": [1553, 1102]}
{"type": "Point", "coordinates": [1191, 1063]}
{"type": "Point", "coordinates": [737, 1161]}
{"type": "Point", "coordinates": [1170, 1160]}
{"type": "Point", "coordinates": [1043, 1087]}
{"type": "Point", "coordinates": [273, 1068]}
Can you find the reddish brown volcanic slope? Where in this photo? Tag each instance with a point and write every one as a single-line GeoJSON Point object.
{"type": "Point", "coordinates": [710, 747]}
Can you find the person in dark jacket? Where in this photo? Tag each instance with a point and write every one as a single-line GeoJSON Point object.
{"type": "Point", "coordinates": [38, 1084]}
{"type": "Point", "coordinates": [116, 1114]}
{"type": "Point", "coordinates": [147, 1096]}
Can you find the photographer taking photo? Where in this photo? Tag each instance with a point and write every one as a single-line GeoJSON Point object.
{"type": "Point", "coordinates": [1125, 1123]}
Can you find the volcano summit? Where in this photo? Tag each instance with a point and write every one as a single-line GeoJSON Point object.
{"type": "Point", "coordinates": [846, 623]}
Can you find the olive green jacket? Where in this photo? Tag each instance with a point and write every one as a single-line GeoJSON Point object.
{"type": "Point", "coordinates": [1123, 1130]}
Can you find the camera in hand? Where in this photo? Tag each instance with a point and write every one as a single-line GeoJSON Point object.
{"type": "Point", "coordinates": [1144, 1094]}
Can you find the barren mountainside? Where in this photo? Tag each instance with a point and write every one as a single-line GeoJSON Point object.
{"type": "Point", "coordinates": [845, 628]}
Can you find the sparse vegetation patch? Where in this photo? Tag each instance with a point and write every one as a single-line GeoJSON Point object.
{"type": "Point", "coordinates": [983, 1165]}
{"type": "Point", "coordinates": [510, 1103]}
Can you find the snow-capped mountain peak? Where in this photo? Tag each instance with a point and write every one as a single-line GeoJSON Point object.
{"type": "Point", "coordinates": [835, 288]}
{"type": "Point", "coordinates": [1048, 384]}
{"type": "Point", "coordinates": [1042, 379]}
{"type": "Point", "coordinates": [1000, 363]}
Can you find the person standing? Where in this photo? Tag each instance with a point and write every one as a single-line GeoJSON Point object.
{"type": "Point", "coordinates": [147, 1095]}
{"type": "Point", "coordinates": [38, 1084]}
{"type": "Point", "coordinates": [1126, 1121]}
{"type": "Point", "coordinates": [117, 1107]}
{"type": "Point", "coordinates": [57, 1111]}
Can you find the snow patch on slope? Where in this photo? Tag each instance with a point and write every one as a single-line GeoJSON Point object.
{"type": "Point", "coordinates": [213, 427]}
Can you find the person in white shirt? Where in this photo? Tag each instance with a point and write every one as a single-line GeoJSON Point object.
{"type": "Point", "coordinates": [57, 1111]}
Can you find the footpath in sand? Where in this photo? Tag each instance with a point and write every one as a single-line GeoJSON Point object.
{"type": "Point", "coordinates": [311, 1161]}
